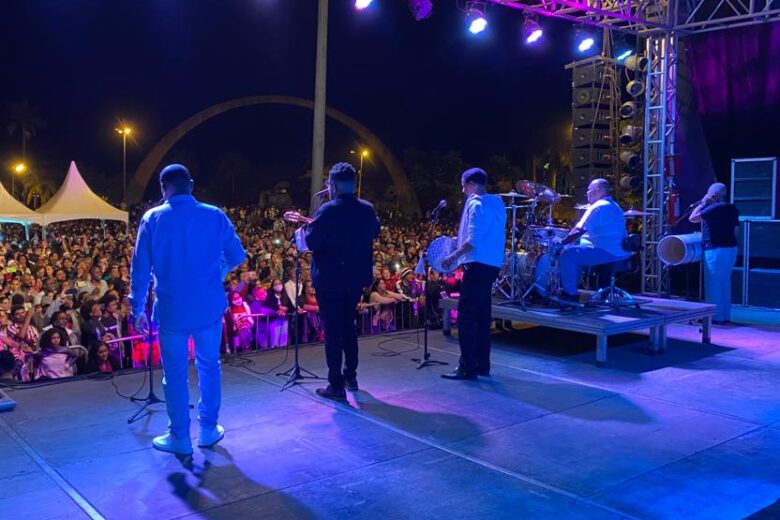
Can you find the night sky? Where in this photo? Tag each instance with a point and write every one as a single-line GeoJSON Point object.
{"type": "Point", "coordinates": [429, 85]}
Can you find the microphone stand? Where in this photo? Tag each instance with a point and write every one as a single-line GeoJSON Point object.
{"type": "Point", "coordinates": [294, 374]}
{"type": "Point", "coordinates": [150, 398]}
{"type": "Point", "coordinates": [426, 360]}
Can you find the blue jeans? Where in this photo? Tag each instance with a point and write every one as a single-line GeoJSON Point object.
{"type": "Point", "coordinates": [173, 346]}
{"type": "Point", "coordinates": [718, 263]}
{"type": "Point", "coordinates": [574, 258]}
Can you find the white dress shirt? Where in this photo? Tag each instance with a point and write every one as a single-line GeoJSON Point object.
{"type": "Point", "coordinates": [483, 225]}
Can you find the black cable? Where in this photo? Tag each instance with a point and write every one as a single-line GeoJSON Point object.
{"type": "Point", "coordinates": [386, 352]}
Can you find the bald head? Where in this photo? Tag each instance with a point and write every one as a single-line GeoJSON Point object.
{"type": "Point", "coordinates": [597, 190]}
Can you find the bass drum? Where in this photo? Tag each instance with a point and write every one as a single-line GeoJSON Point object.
{"type": "Point", "coordinates": [525, 263]}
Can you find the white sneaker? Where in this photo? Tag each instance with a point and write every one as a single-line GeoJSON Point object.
{"type": "Point", "coordinates": [209, 438]}
{"type": "Point", "coordinates": [171, 444]}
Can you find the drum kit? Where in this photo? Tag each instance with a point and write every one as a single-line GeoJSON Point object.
{"type": "Point", "coordinates": [531, 264]}
{"type": "Point", "coordinates": [530, 268]}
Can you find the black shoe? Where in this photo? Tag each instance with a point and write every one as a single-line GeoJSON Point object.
{"type": "Point", "coordinates": [459, 374]}
{"type": "Point", "coordinates": [351, 384]}
{"type": "Point", "coordinates": [330, 393]}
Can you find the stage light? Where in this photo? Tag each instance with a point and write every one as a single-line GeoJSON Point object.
{"type": "Point", "coordinates": [532, 31]}
{"type": "Point", "coordinates": [475, 17]}
{"type": "Point", "coordinates": [631, 182]}
{"type": "Point", "coordinates": [630, 159]}
{"type": "Point", "coordinates": [622, 55]}
{"type": "Point", "coordinates": [421, 9]}
{"type": "Point", "coordinates": [362, 4]}
{"type": "Point", "coordinates": [630, 135]}
{"type": "Point", "coordinates": [586, 44]}
{"type": "Point", "coordinates": [636, 63]}
{"type": "Point", "coordinates": [635, 87]}
{"type": "Point", "coordinates": [627, 109]}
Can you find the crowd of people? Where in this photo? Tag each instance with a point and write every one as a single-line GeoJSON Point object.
{"type": "Point", "coordinates": [64, 306]}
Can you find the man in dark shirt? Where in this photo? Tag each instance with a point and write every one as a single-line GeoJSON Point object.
{"type": "Point", "coordinates": [341, 237]}
{"type": "Point", "coordinates": [719, 222]}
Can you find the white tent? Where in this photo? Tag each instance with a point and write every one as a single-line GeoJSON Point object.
{"type": "Point", "coordinates": [11, 210]}
{"type": "Point", "coordinates": [75, 201]}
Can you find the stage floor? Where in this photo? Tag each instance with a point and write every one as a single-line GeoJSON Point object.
{"type": "Point", "coordinates": [692, 433]}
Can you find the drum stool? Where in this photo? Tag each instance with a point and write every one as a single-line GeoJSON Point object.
{"type": "Point", "coordinates": [613, 295]}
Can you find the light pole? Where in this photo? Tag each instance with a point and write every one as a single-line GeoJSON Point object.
{"type": "Point", "coordinates": [363, 155]}
{"type": "Point", "coordinates": [19, 169]}
{"type": "Point", "coordinates": [124, 132]}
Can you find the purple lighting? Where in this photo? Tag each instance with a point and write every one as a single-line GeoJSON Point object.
{"type": "Point", "coordinates": [532, 31]}
{"type": "Point", "coordinates": [362, 4]}
{"type": "Point", "coordinates": [534, 36]}
{"type": "Point", "coordinates": [421, 9]}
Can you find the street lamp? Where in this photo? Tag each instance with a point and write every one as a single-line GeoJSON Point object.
{"type": "Point", "coordinates": [124, 132]}
{"type": "Point", "coordinates": [363, 155]}
{"type": "Point", "coordinates": [19, 168]}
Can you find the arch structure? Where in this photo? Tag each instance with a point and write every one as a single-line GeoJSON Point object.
{"type": "Point", "coordinates": [137, 185]}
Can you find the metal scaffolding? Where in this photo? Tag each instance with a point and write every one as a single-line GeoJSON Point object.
{"type": "Point", "coordinates": [661, 23]}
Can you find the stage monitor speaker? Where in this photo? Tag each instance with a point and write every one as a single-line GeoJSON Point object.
{"type": "Point", "coordinates": [590, 118]}
{"type": "Point", "coordinates": [587, 137]}
{"type": "Point", "coordinates": [754, 187]}
{"type": "Point", "coordinates": [764, 288]}
{"type": "Point", "coordinates": [764, 244]}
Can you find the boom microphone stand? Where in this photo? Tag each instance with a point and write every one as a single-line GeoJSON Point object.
{"type": "Point", "coordinates": [294, 374]}
{"type": "Point", "coordinates": [426, 360]}
{"type": "Point", "coordinates": [151, 398]}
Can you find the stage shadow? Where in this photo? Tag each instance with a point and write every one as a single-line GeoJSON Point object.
{"type": "Point", "coordinates": [542, 395]}
{"type": "Point", "coordinates": [427, 421]}
{"type": "Point", "coordinates": [217, 488]}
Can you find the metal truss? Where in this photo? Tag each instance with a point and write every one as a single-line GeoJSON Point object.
{"type": "Point", "coordinates": [660, 126]}
{"type": "Point", "coordinates": [648, 17]}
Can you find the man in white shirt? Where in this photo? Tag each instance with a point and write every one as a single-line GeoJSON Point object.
{"type": "Point", "coordinates": [602, 229]}
{"type": "Point", "coordinates": [480, 251]}
{"type": "Point", "coordinates": [188, 248]}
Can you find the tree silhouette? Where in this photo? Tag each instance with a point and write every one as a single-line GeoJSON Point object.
{"type": "Point", "coordinates": [25, 120]}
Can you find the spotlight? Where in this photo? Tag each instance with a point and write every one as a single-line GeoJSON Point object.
{"type": "Point", "coordinates": [631, 182]}
{"type": "Point", "coordinates": [532, 31]}
{"type": "Point", "coordinates": [630, 135]}
{"type": "Point", "coordinates": [635, 87]}
{"type": "Point", "coordinates": [636, 63]}
{"type": "Point", "coordinates": [584, 39]}
{"type": "Point", "coordinates": [421, 9]}
{"type": "Point", "coordinates": [627, 109]}
{"type": "Point", "coordinates": [475, 17]}
{"type": "Point", "coordinates": [623, 54]}
{"type": "Point", "coordinates": [630, 159]}
{"type": "Point", "coordinates": [362, 4]}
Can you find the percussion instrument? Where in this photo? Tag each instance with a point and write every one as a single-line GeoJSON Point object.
{"type": "Point", "coordinates": [634, 213]}
{"type": "Point", "coordinates": [538, 191]}
{"type": "Point", "coordinates": [680, 249]}
{"type": "Point", "coordinates": [300, 240]}
{"type": "Point", "coordinates": [438, 250]}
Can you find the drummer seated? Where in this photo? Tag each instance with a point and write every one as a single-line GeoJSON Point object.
{"type": "Point", "coordinates": [604, 228]}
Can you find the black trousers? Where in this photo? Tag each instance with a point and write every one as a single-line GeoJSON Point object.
{"type": "Point", "coordinates": [338, 311]}
{"type": "Point", "coordinates": [474, 316]}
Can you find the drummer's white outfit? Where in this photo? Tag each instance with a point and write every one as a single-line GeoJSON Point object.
{"type": "Point", "coordinates": [602, 243]}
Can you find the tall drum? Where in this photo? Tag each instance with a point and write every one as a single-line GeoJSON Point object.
{"type": "Point", "coordinates": [680, 249]}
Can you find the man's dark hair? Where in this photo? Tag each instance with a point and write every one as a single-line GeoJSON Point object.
{"type": "Point", "coordinates": [56, 316]}
{"type": "Point", "coordinates": [7, 362]}
{"type": "Point", "coordinates": [475, 175]}
{"type": "Point", "coordinates": [176, 176]}
{"type": "Point", "coordinates": [16, 308]}
{"type": "Point", "coordinates": [17, 299]}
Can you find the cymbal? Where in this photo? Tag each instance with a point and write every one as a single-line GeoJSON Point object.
{"type": "Point", "coordinates": [581, 206]}
{"type": "Point", "coordinates": [513, 194]}
{"type": "Point", "coordinates": [534, 189]}
{"type": "Point", "coordinates": [634, 213]}
{"type": "Point", "coordinates": [518, 206]}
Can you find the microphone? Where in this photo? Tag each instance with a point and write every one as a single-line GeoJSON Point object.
{"type": "Point", "coordinates": [442, 205]}
{"type": "Point", "coordinates": [321, 194]}
{"type": "Point", "coordinates": [705, 199]}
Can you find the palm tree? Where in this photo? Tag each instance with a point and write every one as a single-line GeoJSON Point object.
{"type": "Point", "coordinates": [25, 119]}
{"type": "Point", "coordinates": [37, 190]}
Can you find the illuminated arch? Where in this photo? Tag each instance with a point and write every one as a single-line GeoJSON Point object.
{"type": "Point", "coordinates": [147, 168]}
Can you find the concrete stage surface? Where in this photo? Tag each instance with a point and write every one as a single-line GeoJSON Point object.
{"type": "Point", "coordinates": [691, 433]}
